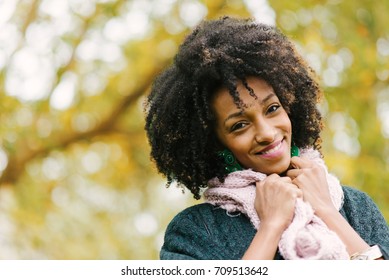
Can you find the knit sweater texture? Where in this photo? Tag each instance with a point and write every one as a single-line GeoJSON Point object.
{"type": "Point", "coordinates": [207, 232]}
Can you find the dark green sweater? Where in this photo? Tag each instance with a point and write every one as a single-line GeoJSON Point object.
{"type": "Point", "coordinates": [206, 232]}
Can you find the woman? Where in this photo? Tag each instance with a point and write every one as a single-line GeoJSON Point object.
{"type": "Point", "coordinates": [235, 119]}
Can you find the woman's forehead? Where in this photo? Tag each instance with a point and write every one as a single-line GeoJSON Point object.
{"type": "Point", "coordinates": [252, 89]}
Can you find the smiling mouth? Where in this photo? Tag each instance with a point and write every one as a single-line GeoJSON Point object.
{"type": "Point", "coordinates": [276, 148]}
{"type": "Point", "coordinates": [272, 150]}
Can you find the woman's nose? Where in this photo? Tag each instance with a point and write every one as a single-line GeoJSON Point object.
{"type": "Point", "coordinates": [264, 132]}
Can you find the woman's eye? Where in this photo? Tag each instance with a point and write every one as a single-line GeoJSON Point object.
{"type": "Point", "coordinates": [273, 108]}
{"type": "Point", "coordinates": [238, 126]}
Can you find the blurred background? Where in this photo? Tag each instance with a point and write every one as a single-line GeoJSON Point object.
{"type": "Point", "coordinates": [76, 180]}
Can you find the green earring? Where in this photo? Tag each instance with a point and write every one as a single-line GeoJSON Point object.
{"type": "Point", "coordinates": [230, 161]}
{"type": "Point", "coordinates": [294, 151]}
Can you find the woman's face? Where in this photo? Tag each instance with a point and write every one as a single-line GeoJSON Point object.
{"type": "Point", "coordinates": [259, 134]}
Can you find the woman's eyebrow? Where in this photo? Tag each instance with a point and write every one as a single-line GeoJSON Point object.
{"type": "Point", "coordinates": [270, 96]}
{"type": "Point", "coordinates": [241, 112]}
{"type": "Point", "coordinates": [234, 115]}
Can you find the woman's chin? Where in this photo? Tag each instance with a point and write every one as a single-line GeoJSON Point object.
{"type": "Point", "coordinates": [280, 170]}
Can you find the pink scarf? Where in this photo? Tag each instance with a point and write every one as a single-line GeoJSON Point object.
{"type": "Point", "coordinates": [307, 237]}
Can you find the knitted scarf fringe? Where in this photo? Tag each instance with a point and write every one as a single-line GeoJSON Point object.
{"type": "Point", "coordinates": [307, 237]}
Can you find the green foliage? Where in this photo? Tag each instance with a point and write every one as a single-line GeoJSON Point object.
{"type": "Point", "coordinates": [76, 181]}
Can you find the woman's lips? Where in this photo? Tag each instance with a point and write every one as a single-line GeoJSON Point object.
{"type": "Point", "coordinates": [273, 151]}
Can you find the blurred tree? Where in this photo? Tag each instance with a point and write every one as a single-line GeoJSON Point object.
{"type": "Point", "coordinates": [76, 181]}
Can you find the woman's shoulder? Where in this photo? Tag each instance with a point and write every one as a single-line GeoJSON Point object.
{"type": "Point", "coordinates": [360, 209]}
{"type": "Point", "coordinates": [353, 196]}
{"type": "Point", "coordinates": [351, 191]}
{"type": "Point", "coordinates": [218, 234]}
{"type": "Point", "coordinates": [210, 220]}
{"type": "Point", "coordinates": [203, 215]}
{"type": "Point", "coordinates": [194, 213]}
{"type": "Point", "coordinates": [187, 226]}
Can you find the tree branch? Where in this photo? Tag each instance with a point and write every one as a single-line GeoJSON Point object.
{"type": "Point", "coordinates": [17, 163]}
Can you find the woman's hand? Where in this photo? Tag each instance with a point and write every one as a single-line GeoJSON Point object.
{"type": "Point", "coordinates": [275, 201]}
{"type": "Point", "coordinates": [312, 180]}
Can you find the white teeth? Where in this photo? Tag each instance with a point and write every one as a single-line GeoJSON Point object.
{"type": "Point", "coordinates": [272, 150]}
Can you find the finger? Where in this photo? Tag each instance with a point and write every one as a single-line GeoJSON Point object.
{"type": "Point", "coordinates": [299, 193]}
{"type": "Point", "coordinates": [295, 191]}
{"type": "Point", "coordinates": [270, 178]}
{"type": "Point", "coordinates": [293, 173]}
{"type": "Point", "coordinates": [300, 163]}
{"type": "Point", "coordinates": [277, 178]}
{"type": "Point", "coordinates": [286, 179]}
{"type": "Point", "coordinates": [273, 181]}
{"type": "Point", "coordinates": [273, 176]}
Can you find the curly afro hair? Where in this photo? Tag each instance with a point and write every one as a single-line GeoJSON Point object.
{"type": "Point", "coordinates": [180, 123]}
